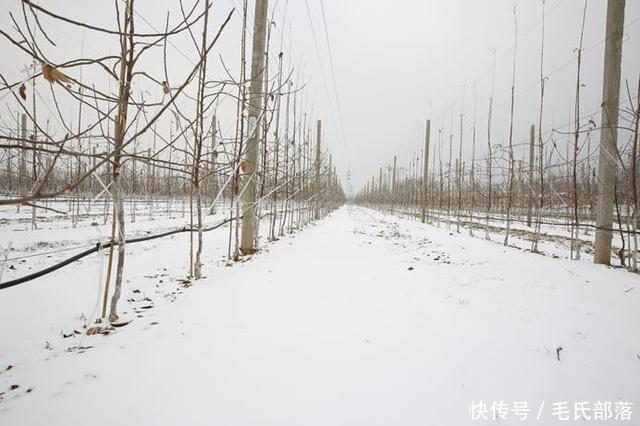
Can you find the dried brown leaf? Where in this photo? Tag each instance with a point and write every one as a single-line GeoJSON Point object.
{"type": "Point", "coordinates": [52, 75]}
{"type": "Point", "coordinates": [22, 91]}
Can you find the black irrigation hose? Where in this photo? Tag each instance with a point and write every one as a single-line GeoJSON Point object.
{"type": "Point", "coordinates": [49, 269]}
{"type": "Point", "coordinates": [97, 247]}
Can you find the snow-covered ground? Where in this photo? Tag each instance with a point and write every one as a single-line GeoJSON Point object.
{"type": "Point", "coordinates": [555, 239]}
{"type": "Point", "coordinates": [362, 319]}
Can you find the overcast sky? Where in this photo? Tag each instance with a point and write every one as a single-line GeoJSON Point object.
{"type": "Point", "coordinates": [396, 63]}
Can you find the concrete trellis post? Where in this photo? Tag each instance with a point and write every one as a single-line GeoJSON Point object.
{"type": "Point", "coordinates": [393, 183]}
{"type": "Point", "coordinates": [318, 160]}
{"type": "Point", "coordinates": [380, 185]}
{"type": "Point", "coordinates": [425, 170]}
{"type": "Point", "coordinates": [532, 138]}
{"type": "Point", "coordinates": [609, 130]}
{"type": "Point", "coordinates": [247, 242]}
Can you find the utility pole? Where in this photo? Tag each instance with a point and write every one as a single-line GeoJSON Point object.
{"type": "Point", "coordinates": [425, 170]}
{"type": "Point", "coordinates": [607, 167]}
{"type": "Point", "coordinates": [318, 152]}
{"type": "Point", "coordinates": [247, 241]}
{"type": "Point", "coordinates": [532, 137]}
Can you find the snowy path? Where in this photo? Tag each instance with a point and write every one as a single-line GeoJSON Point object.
{"type": "Point", "coordinates": [364, 319]}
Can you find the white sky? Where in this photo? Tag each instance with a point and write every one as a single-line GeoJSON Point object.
{"type": "Point", "coordinates": [397, 63]}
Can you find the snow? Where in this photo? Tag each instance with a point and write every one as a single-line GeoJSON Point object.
{"type": "Point", "coordinates": [361, 319]}
{"type": "Point", "coordinates": [56, 231]}
{"type": "Point", "coordinates": [555, 239]}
